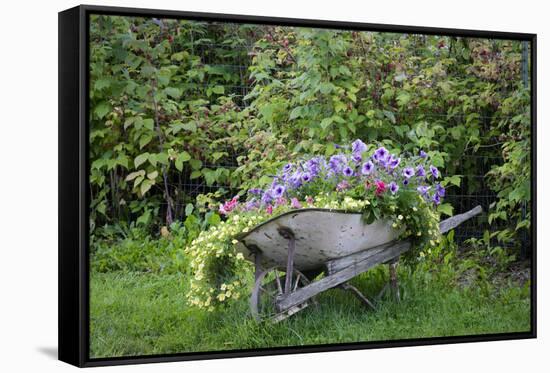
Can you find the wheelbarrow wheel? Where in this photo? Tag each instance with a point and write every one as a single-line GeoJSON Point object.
{"type": "Point", "coordinates": [269, 287]}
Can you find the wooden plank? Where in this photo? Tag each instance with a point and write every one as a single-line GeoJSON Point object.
{"type": "Point", "coordinates": [303, 294]}
{"type": "Point", "coordinates": [454, 221]}
{"type": "Point", "coordinates": [339, 264]}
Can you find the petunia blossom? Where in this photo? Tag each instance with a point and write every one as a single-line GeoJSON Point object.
{"type": "Point", "coordinates": [367, 168]}
{"type": "Point", "coordinates": [295, 204]}
{"type": "Point", "coordinates": [348, 171]}
{"type": "Point", "coordinates": [408, 172]}
{"type": "Point", "coordinates": [358, 147]}
{"type": "Point", "coordinates": [434, 171]}
{"type": "Point", "coordinates": [393, 187]}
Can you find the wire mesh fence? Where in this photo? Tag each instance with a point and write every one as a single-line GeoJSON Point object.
{"type": "Point", "coordinates": [474, 189]}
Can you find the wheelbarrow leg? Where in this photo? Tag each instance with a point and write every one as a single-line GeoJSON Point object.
{"type": "Point", "coordinates": [289, 235]}
{"type": "Point", "coordinates": [257, 264]}
{"type": "Point", "coordinates": [392, 285]}
{"type": "Point", "coordinates": [358, 294]}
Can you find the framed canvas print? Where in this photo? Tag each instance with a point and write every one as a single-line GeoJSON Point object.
{"type": "Point", "coordinates": [234, 186]}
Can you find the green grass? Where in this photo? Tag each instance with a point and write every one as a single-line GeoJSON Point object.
{"type": "Point", "coordinates": [142, 314]}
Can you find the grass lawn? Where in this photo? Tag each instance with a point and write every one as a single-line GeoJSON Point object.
{"type": "Point", "coordinates": [142, 314]}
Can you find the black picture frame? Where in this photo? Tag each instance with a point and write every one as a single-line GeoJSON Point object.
{"type": "Point", "coordinates": [74, 165]}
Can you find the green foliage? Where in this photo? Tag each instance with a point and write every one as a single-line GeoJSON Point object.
{"type": "Point", "coordinates": [168, 106]}
{"type": "Point", "coordinates": [131, 248]}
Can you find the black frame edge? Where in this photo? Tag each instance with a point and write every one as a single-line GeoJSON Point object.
{"type": "Point", "coordinates": [70, 257]}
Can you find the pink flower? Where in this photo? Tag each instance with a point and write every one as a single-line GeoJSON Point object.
{"type": "Point", "coordinates": [295, 203]}
{"type": "Point", "coordinates": [280, 201]}
{"type": "Point", "coordinates": [228, 206]}
{"type": "Point", "coordinates": [269, 209]}
{"type": "Point", "coordinates": [309, 200]}
{"type": "Point", "coordinates": [380, 187]}
{"type": "Point", "coordinates": [343, 185]}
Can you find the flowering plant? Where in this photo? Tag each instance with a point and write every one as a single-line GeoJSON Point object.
{"type": "Point", "coordinates": [371, 180]}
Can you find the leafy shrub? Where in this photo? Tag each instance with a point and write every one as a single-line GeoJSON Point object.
{"type": "Point", "coordinates": [167, 106]}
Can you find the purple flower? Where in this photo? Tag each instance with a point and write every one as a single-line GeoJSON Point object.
{"type": "Point", "coordinates": [255, 191]}
{"type": "Point", "coordinates": [436, 199]}
{"type": "Point", "coordinates": [348, 171]}
{"type": "Point", "coordinates": [358, 147]}
{"type": "Point", "coordinates": [420, 172]}
{"type": "Point", "coordinates": [343, 185]}
{"type": "Point", "coordinates": [394, 187]}
{"type": "Point", "coordinates": [295, 204]}
{"type": "Point", "coordinates": [423, 190]}
{"type": "Point", "coordinates": [357, 158]}
{"type": "Point", "coordinates": [251, 205]}
{"type": "Point", "coordinates": [439, 190]}
{"type": "Point", "coordinates": [296, 179]}
{"type": "Point", "coordinates": [434, 171]}
{"type": "Point", "coordinates": [337, 163]}
{"type": "Point", "coordinates": [287, 168]}
{"type": "Point", "coordinates": [280, 201]}
{"type": "Point", "coordinates": [394, 162]}
{"type": "Point", "coordinates": [267, 197]}
{"type": "Point", "coordinates": [406, 182]}
{"type": "Point", "coordinates": [423, 154]}
{"type": "Point", "coordinates": [367, 168]}
{"type": "Point", "coordinates": [381, 154]}
{"type": "Point", "coordinates": [313, 166]}
{"type": "Point", "coordinates": [306, 177]}
{"type": "Point", "coordinates": [277, 191]}
{"type": "Point", "coordinates": [408, 172]}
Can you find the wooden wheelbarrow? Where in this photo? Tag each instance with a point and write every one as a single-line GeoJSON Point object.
{"type": "Point", "coordinates": [291, 249]}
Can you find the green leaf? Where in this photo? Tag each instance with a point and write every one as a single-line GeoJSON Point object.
{"type": "Point", "coordinates": [140, 159]}
{"type": "Point", "coordinates": [189, 209]}
{"type": "Point", "coordinates": [179, 164]}
{"type": "Point", "coordinates": [144, 140]}
{"type": "Point", "coordinates": [445, 208]}
{"type": "Point", "coordinates": [219, 89]}
{"type": "Point", "coordinates": [133, 175]}
{"type": "Point", "coordinates": [149, 124]}
{"type": "Point", "coordinates": [295, 113]}
{"type": "Point", "coordinates": [152, 175]}
{"type": "Point", "coordinates": [213, 219]}
{"type": "Point", "coordinates": [325, 123]}
{"type": "Point", "coordinates": [101, 83]}
{"type": "Point", "coordinates": [144, 218]}
{"type": "Point", "coordinates": [195, 174]}
{"type": "Point", "coordinates": [195, 164]}
{"type": "Point", "coordinates": [184, 156]}
{"type": "Point", "coordinates": [403, 98]}
{"type": "Point", "coordinates": [145, 186]}
{"type": "Point", "coordinates": [102, 109]}
{"type": "Point", "coordinates": [173, 92]}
